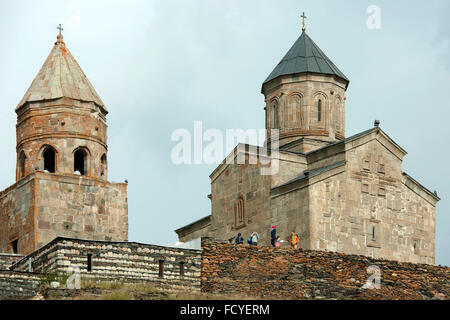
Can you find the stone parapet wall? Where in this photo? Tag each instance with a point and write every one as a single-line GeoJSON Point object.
{"type": "Point", "coordinates": [128, 261]}
{"type": "Point", "coordinates": [271, 273]}
{"type": "Point", "coordinates": [7, 260]}
{"type": "Point", "coordinates": [18, 285]}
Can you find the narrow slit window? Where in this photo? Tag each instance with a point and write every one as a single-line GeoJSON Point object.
{"type": "Point", "coordinates": [241, 211]}
{"type": "Point", "coordinates": [182, 269]}
{"type": "Point", "coordinates": [373, 232]}
{"type": "Point", "coordinates": [319, 110]}
{"type": "Point", "coordinates": [161, 268]}
{"type": "Point", "coordinates": [23, 160]}
{"type": "Point", "coordinates": [275, 116]}
{"type": "Point", "coordinates": [89, 262]}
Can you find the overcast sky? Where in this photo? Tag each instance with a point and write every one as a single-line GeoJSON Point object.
{"type": "Point", "coordinates": [161, 65]}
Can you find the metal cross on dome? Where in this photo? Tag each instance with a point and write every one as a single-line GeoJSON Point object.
{"type": "Point", "coordinates": [303, 21]}
{"type": "Point", "coordinates": [60, 29]}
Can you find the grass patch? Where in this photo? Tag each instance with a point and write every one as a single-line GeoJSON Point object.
{"type": "Point", "coordinates": [98, 284]}
{"type": "Point", "coordinates": [53, 276]}
{"type": "Point", "coordinates": [117, 295]}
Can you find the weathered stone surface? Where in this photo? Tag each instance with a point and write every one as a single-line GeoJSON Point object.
{"type": "Point", "coordinates": [339, 194]}
{"type": "Point", "coordinates": [271, 273]}
{"type": "Point", "coordinates": [61, 184]}
{"type": "Point", "coordinates": [18, 285]}
{"type": "Point", "coordinates": [7, 260]}
{"type": "Point", "coordinates": [128, 261]}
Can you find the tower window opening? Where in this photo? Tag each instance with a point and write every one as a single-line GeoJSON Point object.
{"type": "Point", "coordinates": [22, 162]}
{"type": "Point", "coordinates": [103, 165]}
{"type": "Point", "coordinates": [373, 232]}
{"type": "Point", "coordinates": [50, 160]}
{"type": "Point", "coordinates": [80, 162]}
{"type": "Point", "coordinates": [319, 110]}
{"type": "Point", "coordinates": [275, 116]}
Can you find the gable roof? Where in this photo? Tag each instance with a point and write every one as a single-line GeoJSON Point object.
{"type": "Point", "coordinates": [305, 56]}
{"type": "Point", "coordinates": [61, 76]}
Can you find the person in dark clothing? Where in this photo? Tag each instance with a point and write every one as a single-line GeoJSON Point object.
{"type": "Point", "coordinates": [273, 236]}
{"type": "Point", "coordinates": [239, 239]}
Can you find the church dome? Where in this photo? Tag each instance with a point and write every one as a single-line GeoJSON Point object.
{"type": "Point", "coordinates": [305, 56]}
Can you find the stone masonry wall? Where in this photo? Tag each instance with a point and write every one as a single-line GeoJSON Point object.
{"type": "Point", "coordinates": [7, 260]}
{"type": "Point", "coordinates": [43, 206]}
{"type": "Point", "coordinates": [270, 273]}
{"type": "Point", "coordinates": [18, 285]}
{"type": "Point", "coordinates": [80, 207]}
{"type": "Point", "coordinates": [119, 260]}
{"type": "Point", "coordinates": [17, 216]}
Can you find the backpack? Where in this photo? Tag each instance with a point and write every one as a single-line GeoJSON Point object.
{"type": "Point", "coordinates": [249, 241]}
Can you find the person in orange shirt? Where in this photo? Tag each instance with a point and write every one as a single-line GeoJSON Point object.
{"type": "Point", "coordinates": [294, 240]}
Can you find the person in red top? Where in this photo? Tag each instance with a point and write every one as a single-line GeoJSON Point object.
{"type": "Point", "coordinates": [273, 236]}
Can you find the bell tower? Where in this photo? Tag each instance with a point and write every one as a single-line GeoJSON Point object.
{"type": "Point", "coordinates": [61, 121]}
{"type": "Point", "coordinates": [305, 98]}
{"type": "Point", "coordinates": [61, 187]}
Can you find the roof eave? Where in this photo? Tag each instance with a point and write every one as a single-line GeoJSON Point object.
{"type": "Point", "coordinates": [347, 81]}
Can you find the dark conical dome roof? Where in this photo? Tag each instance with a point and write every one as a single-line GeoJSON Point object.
{"type": "Point", "coordinates": [305, 56]}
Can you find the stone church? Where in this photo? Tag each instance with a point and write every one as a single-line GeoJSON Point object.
{"type": "Point", "coordinates": [344, 194]}
{"type": "Point", "coordinates": [61, 187]}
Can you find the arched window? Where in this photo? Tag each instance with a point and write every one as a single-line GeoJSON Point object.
{"type": "Point", "coordinates": [103, 165]}
{"type": "Point", "coordinates": [80, 162]}
{"type": "Point", "coordinates": [275, 115]}
{"type": "Point", "coordinates": [293, 112]}
{"type": "Point", "coordinates": [319, 110]}
{"type": "Point", "coordinates": [49, 156]}
{"type": "Point", "coordinates": [240, 212]}
{"type": "Point", "coordinates": [22, 164]}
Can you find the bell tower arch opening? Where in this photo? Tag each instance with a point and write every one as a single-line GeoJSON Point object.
{"type": "Point", "coordinates": [81, 161]}
{"type": "Point", "coordinates": [103, 165]}
{"type": "Point", "coordinates": [48, 159]}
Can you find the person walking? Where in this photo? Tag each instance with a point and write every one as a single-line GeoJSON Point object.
{"type": "Point", "coordinates": [239, 239]}
{"type": "Point", "coordinates": [273, 236]}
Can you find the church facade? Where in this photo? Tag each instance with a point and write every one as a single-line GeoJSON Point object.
{"type": "Point", "coordinates": [344, 194]}
{"type": "Point", "coordinates": [61, 187]}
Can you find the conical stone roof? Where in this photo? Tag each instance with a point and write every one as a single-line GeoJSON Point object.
{"type": "Point", "coordinates": [61, 76]}
{"type": "Point", "coordinates": [305, 56]}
